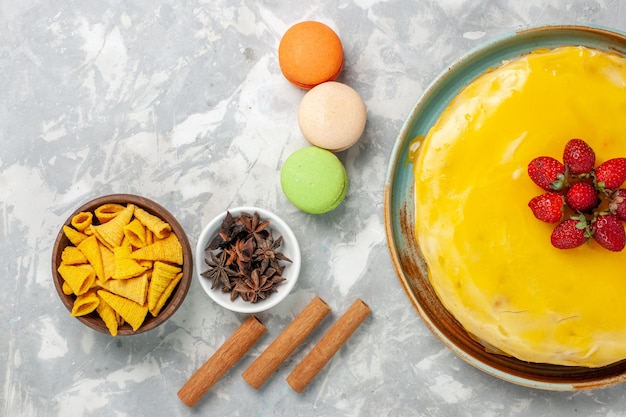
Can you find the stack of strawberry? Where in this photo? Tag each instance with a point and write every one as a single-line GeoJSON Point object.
{"type": "Point", "coordinates": [586, 201]}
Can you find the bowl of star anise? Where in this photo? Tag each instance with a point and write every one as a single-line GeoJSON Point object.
{"type": "Point", "coordinates": [247, 259]}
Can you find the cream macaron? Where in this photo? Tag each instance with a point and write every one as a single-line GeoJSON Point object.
{"type": "Point", "coordinates": [332, 116]}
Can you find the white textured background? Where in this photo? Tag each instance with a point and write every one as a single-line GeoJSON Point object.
{"type": "Point", "coordinates": [183, 102]}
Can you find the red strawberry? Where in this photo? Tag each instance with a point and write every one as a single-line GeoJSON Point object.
{"type": "Point", "coordinates": [547, 207]}
{"type": "Point", "coordinates": [608, 231]}
{"type": "Point", "coordinates": [610, 175]}
{"type": "Point", "coordinates": [569, 234]}
{"type": "Point", "coordinates": [578, 157]}
{"type": "Point", "coordinates": [582, 197]}
{"type": "Point", "coordinates": [617, 204]}
{"type": "Point", "coordinates": [547, 172]}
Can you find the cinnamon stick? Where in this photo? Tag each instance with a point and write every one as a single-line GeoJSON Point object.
{"type": "Point", "coordinates": [291, 337]}
{"type": "Point", "coordinates": [225, 357]}
{"type": "Point", "coordinates": [328, 345]}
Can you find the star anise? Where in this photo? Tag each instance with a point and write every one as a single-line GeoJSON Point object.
{"type": "Point", "coordinates": [240, 253]}
{"type": "Point", "coordinates": [275, 275]}
{"type": "Point", "coordinates": [254, 225]}
{"type": "Point", "coordinates": [244, 258]}
{"type": "Point", "coordinates": [233, 292]}
{"type": "Point", "coordinates": [257, 287]}
{"type": "Point", "coordinates": [219, 271]}
{"type": "Point", "coordinates": [228, 231]}
{"type": "Point", "coordinates": [266, 252]}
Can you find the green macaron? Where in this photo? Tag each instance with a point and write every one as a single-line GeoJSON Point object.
{"type": "Point", "coordinates": [314, 180]}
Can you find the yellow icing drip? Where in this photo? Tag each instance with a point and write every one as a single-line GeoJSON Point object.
{"type": "Point", "coordinates": [490, 261]}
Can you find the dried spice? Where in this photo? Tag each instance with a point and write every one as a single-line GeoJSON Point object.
{"type": "Point", "coordinates": [244, 259]}
{"type": "Point", "coordinates": [219, 271]}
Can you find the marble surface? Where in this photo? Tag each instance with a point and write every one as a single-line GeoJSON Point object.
{"type": "Point", "coordinates": [183, 102]}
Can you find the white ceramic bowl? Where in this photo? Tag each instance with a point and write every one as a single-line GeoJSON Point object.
{"type": "Point", "coordinates": [289, 248]}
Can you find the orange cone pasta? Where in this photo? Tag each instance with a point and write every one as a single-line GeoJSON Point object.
{"type": "Point", "coordinates": [135, 233]}
{"type": "Point", "coordinates": [85, 303]}
{"type": "Point", "coordinates": [108, 211]}
{"type": "Point", "coordinates": [135, 289]}
{"type": "Point", "coordinates": [125, 267]}
{"type": "Point", "coordinates": [111, 233]}
{"type": "Point", "coordinates": [89, 247]}
{"type": "Point", "coordinates": [82, 221]}
{"type": "Point", "coordinates": [166, 250]}
{"type": "Point", "coordinates": [80, 278]}
{"type": "Point", "coordinates": [74, 235]}
{"type": "Point", "coordinates": [162, 275]}
{"type": "Point", "coordinates": [133, 313]}
{"type": "Point", "coordinates": [108, 316]}
{"type": "Point", "coordinates": [73, 256]}
{"type": "Point", "coordinates": [157, 226]}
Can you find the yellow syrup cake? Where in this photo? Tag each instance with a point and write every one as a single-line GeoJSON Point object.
{"type": "Point", "coordinates": [490, 260]}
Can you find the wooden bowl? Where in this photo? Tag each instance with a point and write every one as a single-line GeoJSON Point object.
{"type": "Point", "coordinates": [399, 201]}
{"type": "Point", "coordinates": [176, 298]}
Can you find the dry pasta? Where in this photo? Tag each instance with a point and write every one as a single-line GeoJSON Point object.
{"type": "Point", "coordinates": [108, 211]}
{"type": "Point", "coordinates": [85, 303]}
{"type": "Point", "coordinates": [71, 255]}
{"type": "Point", "coordinates": [166, 294]}
{"type": "Point", "coordinates": [80, 278]}
{"type": "Point", "coordinates": [74, 235]}
{"type": "Point", "coordinates": [125, 266]}
{"type": "Point", "coordinates": [162, 275]}
{"type": "Point", "coordinates": [82, 220]}
{"type": "Point", "coordinates": [108, 316]}
{"type": "Point", "coordinates": [111, 233]}
{"type": "Point", "coordinates": [135, 289]}
{"type": "Point", "coordinates": [89, 248]}
{"type": "Point", "coordinates": [108, 262]}
{"type": "Point", "coordinates": [122, 262]}
{"type": "Point", "coordinates": [165, 250]}
{"type": "Point", "coordinates": [160, 228]}
{"type": "Point", "coordinates": [135, 232]}
{"type": "Point", "coordinates": [133, 313]}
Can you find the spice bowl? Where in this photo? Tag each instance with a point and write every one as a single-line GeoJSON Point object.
{"type": "Point", "coordinates": [247, 259]}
